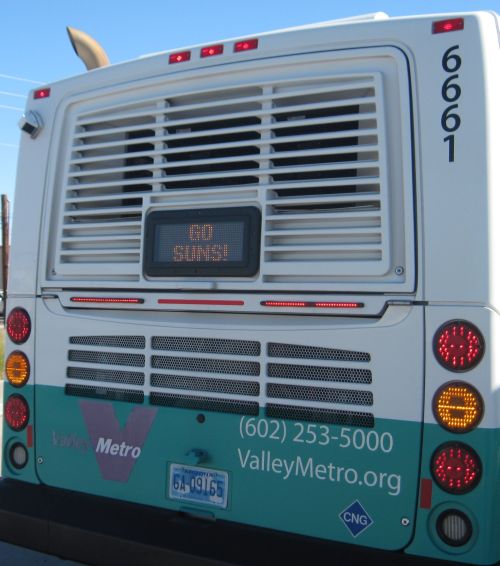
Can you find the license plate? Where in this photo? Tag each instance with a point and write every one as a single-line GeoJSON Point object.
{"type": "Point", "coordinates": [198, 485]}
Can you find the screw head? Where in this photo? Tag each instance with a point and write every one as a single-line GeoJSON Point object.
{"type": "Point", "coordinates": [39, 460]}
{"type": "Point", "coordinates": [405, 521]}
{"type": "Point", "coordinates": [399, 270]}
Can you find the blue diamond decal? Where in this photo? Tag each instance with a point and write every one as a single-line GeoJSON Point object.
{"type": "Point", "coordinates": [355, 518]}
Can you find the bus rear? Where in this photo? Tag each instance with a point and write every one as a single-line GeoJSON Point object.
{"type": "Point", "coordinates": [254, 282]}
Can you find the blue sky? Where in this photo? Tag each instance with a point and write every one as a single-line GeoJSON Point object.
{"type": "Point", "coordinates": [35, 47]}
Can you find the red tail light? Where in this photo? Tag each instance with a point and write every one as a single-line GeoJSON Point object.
{"type": "Point", "coordinates": [458, 345]}
{"type": "Point", "coordinates": [456, 467]}
{"type": "Point", "coordinates": [18, 325]}
{"type": "Point", "coordinates": [17, 412]}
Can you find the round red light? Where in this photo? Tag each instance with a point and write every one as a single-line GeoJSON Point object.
{"type": "Point", "coordinates": [18, 325]}
{"type": "Point", "coordinates": [456, 467]}
{"type": "Point", "coordinates": [17, 412]}
{"type": "Point", "coordinates": [458, 345]}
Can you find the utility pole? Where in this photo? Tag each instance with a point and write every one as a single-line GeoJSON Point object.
{"type": "Point", "coordinates": [5, 246]}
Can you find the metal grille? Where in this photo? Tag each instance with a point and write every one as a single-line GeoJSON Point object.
{"type": "Point", "coordinates": [234, 367]}
{"type": "Point", "coordinates": [329, 416]}
{"type": "Point", "coordinates": [278, 350]}
{"type": "Point", "coordinates": [204, 403]}
{"type": "Point", "coordinates": [98, 392]}
{"type": "Point", "coordinates": [321, 373]}
{"type": "Point", "coordinates": [227, 386]}
{"type": "Point", "coordinates": [206, 345]}
{"type": "Point", "coordinates": [323, 394]}
{"type": "Point", "coordinates": [111, 376]}
{"type": "Point", "coordinates": [108, 358]}
{"type": "Point", "coordinates": [191, 388]}
{"type": "Point", "coordinates": [310, 152]}
{"type": "Point", "coordinates": [136, 342]}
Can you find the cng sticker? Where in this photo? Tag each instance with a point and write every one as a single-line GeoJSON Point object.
{"type": "Point", "coordinates": [355, 518]}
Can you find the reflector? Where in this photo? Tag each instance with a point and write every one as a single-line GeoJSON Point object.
{"type": "Point", "coordinates": [233, 303]}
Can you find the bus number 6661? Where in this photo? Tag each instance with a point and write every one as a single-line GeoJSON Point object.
{"type": "Point", "coordinates": [451, 92]}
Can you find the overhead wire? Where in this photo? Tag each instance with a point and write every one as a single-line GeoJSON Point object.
{"type": "Point", "coordinates": [23, 79]}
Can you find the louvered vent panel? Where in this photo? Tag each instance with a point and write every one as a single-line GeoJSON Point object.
{"type": "Point", "coordinates": [307, 153]}
{"type": "Point", "coordinates": [318, 384]}
{"type": "Point", "coordinates": [207, 373]}
{"type": "Point", "coordinates": [90, 371]}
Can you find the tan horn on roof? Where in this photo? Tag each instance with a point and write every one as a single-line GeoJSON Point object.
{"type": "Point", "coordinates": [87, 48]}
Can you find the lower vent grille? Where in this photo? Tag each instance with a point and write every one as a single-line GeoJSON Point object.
{"type": "Point", "coordinates": [206, 345]}
{"type": "Point", "coordinates": [322, 394]}
{"type": "Point", "coordinates": [206, 365]}
{"type": "Point", "coordinates": [329, 416]}
{"type": "Point", "coordinates": [205, 403]}
{"type": "Point", "coordinates": [125, 395]}
{"type": "Point", "coordinates": [320, 373]}
{"type": "Point", "coordinates": [309, 383]}
{"type": "Point", "coordinates": [110, 376]}
{"type": "Point", "coordinates": [227, 386]}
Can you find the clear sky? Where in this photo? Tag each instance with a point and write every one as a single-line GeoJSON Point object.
{"type": "Point", "coordinates": [34, 45]}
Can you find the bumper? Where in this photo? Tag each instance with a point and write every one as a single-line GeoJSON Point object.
{"type": "Point", "coordinates": [105, 532]}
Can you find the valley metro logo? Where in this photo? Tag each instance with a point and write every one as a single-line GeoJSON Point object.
{"type": "Point", "coordinates": [116, 449]}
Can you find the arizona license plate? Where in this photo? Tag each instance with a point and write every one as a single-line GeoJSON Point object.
{"type": "Point", "coordinates": [198, 485]}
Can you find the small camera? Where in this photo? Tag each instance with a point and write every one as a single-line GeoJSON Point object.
{"type": "Point", "coordinates": [31, 123]}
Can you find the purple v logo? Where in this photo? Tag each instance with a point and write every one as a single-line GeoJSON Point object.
{"type": "Point", "coordinates": [116, 449]}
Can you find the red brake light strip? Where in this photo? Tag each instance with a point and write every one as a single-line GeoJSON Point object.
{"type": "Point", "coordinates": [312, 304]}
{"type": "Point", "coordinates": [115, 300]}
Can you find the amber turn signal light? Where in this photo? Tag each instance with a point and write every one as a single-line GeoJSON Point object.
{"type": "Point", "coordinates": [458, 407]}
{"type": "Point", "coordinates": [17, 369]}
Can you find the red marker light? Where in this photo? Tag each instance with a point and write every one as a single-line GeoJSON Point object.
{"type": "Point", "coordinates": [443, 26]}
{"type": "Point", "coordinates": [212, 50]}
{"type": "Point", "coordinates": [179, 57]}
{"type": "Point", "coordinates": [41, 93]}
{"type": "Point", "coordinates": [246, 45]}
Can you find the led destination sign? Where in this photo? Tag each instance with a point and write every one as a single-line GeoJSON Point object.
{"type": "Point", "coordinates": [203, 242]}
